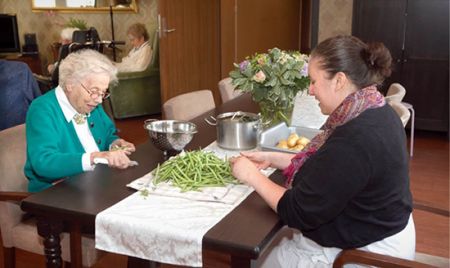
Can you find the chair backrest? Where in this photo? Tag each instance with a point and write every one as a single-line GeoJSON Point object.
{"type": "Point", "coordinates": [402, 111]}
{"type": "Point", "coordinates": [395, 93]}
{"type": "Point", "coordinates": [189, 105]}
{"type": "Point", "coordinates": [227, 91]}
{"type": "Point", "coordinates": [154, 62]}
{"type": "Point", "coordinates": [12, 178]}
{"type": "Point", "coordinates": [12, 159]}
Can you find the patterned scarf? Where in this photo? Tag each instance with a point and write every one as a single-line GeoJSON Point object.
{"type": "Point", "coordinates": [352, 106]}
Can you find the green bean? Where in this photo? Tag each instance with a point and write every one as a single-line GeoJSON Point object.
{"type": "Point", "coordinates": [195, 170]}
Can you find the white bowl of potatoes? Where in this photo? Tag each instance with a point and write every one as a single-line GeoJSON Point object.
{"type": "Point", "coordinates": [286, 139]}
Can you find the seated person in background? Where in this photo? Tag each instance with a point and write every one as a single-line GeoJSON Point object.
{"type": "Point", "coordinates": [67, 127]}
{"type": "Point", "coordinates": [18, 89]}
{"type": "Point", "coordinates": [66, 39]}
{"type": "Point", "coordinates": [139, 57]}
{"type": "Point", "coordinates": [349, 187]}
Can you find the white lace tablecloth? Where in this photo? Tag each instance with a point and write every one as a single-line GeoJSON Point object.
{"type": "Point", "coordinates": [162, 228]}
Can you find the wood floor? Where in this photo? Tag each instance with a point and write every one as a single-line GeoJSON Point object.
{"type": "Point", "coordinates": [429, 183]}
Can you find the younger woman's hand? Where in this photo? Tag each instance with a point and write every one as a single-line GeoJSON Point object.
{"type": "Point", "coordinates": [244, 170]}
{"type": "Point", "coordinates": [260, 159]}
{"type": "Point", "coordinates": [264, 160]}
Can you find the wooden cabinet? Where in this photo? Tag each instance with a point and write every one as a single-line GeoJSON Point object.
{"type": "Point", "coordinates": [417, 34]}
{"type": "Point", "coordinates": [254, 26]}
{"type": "Point", "coordinates": [201, 39]}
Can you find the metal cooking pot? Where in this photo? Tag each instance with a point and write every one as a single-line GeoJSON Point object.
{"type": "Point", "coordinates": [236, 130]}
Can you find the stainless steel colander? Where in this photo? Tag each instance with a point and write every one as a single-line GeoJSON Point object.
{"type": "Point", "coordinates": [170, 135]}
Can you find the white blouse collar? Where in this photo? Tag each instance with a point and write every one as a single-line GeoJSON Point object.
{"type": "Point", "coordinates": [64, 103]}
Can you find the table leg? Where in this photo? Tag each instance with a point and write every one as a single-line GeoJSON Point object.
{"type": "Point", "coordinates": [50, 231]}
{"type": "Point", "coordinates": [76, 260]}
{"type": "Point", "coordinates": [238, 262]}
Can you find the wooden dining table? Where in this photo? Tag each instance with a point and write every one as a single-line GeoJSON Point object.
{"type": "Point", "coordinates": [73, 204]}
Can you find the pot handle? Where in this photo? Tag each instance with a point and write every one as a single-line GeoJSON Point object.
{"type": "Point", "coordinates": [209, 122]}
{"type": "Point", "coordinates": [260, 125]}
{"type": "Point", "coordinates": [146, 122]}
{"type": "Point", "coordinates": [263, 124]}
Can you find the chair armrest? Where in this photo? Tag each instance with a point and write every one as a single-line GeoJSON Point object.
{"type": "Point", "coordinates": [369, 258]}
{"type": "Point", "coordinates": [13, 196]}
{"type": "Point", "coordinates": [133, 75]}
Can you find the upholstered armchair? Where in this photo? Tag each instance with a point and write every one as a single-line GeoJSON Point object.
{"type": "Point", "coordinates": [138, 93]}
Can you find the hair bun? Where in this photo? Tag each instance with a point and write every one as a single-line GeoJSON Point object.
{"type": "Point", "coordinates": [378, 58]}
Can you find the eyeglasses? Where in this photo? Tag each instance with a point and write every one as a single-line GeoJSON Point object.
{"type": "Point", "coordinates": [95, 94]}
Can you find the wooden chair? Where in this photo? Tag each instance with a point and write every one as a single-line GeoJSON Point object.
{"type": "Point", "coordinates": [355, 256]}
{"type": "Point", "coordinates": [189, 105]}
{"type": "Point", "coordinates": [17, 229]}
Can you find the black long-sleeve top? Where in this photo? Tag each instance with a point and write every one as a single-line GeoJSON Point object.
{"type": "Point", "coordinates": [355, 189]}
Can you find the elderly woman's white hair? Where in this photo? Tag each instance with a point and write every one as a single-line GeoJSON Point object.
{"type": "Point", "coordinates": [67, 33]}
{"type": "Point", "coordinates": [78, 65]}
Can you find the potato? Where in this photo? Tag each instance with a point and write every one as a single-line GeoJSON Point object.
{"type": "Point", "coordinates": [299, 147]}
{"type": "Point", "coordinates": [292, 140]}
{"type": "Point", "coordinates": [283, 144]}
{"type": "Point", "coordinates": [302, 141]}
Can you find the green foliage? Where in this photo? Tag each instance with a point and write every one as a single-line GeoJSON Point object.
{"type": "Point", "coordinates": [273, 79]}
{"type": "Point", "coordinates": [77, 23]}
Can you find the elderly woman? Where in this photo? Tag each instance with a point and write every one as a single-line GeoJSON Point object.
{"type": "Point", "coordinates": [140, 55]}
{"type": "Point", "coordinates": [67, 129]}
{"type": "Point", "coordinates": [349, 188]}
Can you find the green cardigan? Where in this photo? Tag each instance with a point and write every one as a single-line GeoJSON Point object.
{"type": "Point", "coordinates": [53, 148]}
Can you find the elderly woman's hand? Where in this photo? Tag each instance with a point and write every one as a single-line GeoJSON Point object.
{"type": "Point", "coordinates": [123, 145]}
{"type": "Point", "coordinates": [116, 159]}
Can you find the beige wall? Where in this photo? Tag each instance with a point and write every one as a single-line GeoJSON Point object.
{"type": "Point", "coordinates": [335, 17]}
{"type": "Point", "coordinates": [48, 26]}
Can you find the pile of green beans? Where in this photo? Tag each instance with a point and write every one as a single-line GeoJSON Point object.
{"type": "Point", "coordinates": [195, 170]}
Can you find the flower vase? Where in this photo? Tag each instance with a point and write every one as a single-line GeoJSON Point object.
{"type": "Point", "coordinates": [273, 115]}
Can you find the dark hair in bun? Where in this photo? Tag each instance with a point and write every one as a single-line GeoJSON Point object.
{"type": "Point", "coordinates": [365, 64]}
